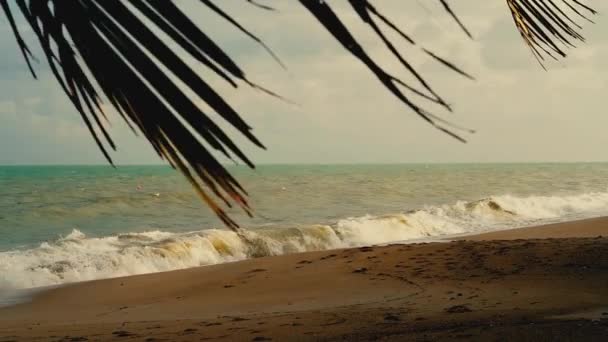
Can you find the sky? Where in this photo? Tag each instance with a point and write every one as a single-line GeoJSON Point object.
{"type": "Point", "coordinates": [520, 112]}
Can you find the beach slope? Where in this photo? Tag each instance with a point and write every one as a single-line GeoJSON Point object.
{"type": "Point", "coordinates": [530, 284]}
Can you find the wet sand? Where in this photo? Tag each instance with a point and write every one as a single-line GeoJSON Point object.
{"type": "Point", "coordinates": [541, 283]}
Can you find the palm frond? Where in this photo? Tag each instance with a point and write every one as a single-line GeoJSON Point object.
{"type": "Point", "coordinates": [546, 26]}
{"type": "Point", "coordinates": [323, 12]}
{"type": "Point", "coordinates": [102, 46]}
{"type": "Point", "coordinates": [96, 47]}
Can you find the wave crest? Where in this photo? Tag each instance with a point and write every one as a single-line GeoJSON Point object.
{"type": "Point", "coordinates": [77, 257]}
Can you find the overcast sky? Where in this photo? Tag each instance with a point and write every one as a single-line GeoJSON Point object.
{"type": "Point", "coordinates": [520, 112]}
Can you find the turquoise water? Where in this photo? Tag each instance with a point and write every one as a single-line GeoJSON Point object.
{"type": "Point", "coordinates": [69, 223]}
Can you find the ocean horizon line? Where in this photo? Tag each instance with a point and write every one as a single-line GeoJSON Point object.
{"type": "Point", "coordinates": [321, 164]}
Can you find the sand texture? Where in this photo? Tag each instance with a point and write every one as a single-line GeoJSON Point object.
{"type": "Point", "coordinates": [533, 284]}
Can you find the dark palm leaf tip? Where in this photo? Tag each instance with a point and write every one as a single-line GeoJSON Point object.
{"type": "Point", "coordinates": [448, 9]}
{"type": "Point", "coordinates": [27, 54]}
{"type": "Point", "coordinates": [548, 26]}
{"type": "Point", "coordinates": [255, 3]}
{"type": "Point", "coordinates": [323, 12]}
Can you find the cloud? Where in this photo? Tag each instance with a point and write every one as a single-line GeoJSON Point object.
{"type": "Point", "coordinates": [343, 112]}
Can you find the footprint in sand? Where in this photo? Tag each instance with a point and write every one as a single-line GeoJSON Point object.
{"type": "Point", "coordinates": [458, 309]}
{"type": "Point", "coordinates": [391, 317]}
{"type": "Point", "coordinates": [77, 339]}
{"type": "Point", "coordinates": [239, 319]}
{"type": "Point", "coordinates": [338, 321]}
{"type": "Point", "coordinates": [257, 270]}
{"type": "Point", "coordinates": [122, 333]}
{"type": "Point", "coordinates": [360, 270]}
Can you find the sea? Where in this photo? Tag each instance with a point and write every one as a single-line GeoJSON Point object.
{"type": "Point", "coordinates": [63, 224]}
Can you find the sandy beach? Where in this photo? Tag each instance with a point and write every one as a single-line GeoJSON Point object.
{"type": "Point", "coordinates": [303, 170]}
{"type": "Point", "coordinates": [539, 283]}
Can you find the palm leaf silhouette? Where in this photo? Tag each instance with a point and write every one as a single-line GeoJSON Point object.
{"type": "Point", "coordinates": [103, 47]}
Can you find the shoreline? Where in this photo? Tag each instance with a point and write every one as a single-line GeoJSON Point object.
{"type": "Point", "coordinates": [24, 295]}
{"type": "Point", "coordinates": [437, 289]}
{"type": "Point", "coordinates": [585, 228]}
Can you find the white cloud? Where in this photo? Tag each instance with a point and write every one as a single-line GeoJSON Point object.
{"type": "Point", "coordinates": [345, 115]}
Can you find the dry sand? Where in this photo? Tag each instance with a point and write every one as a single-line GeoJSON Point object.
{"type": "Point", "coordinates": [533, 284]}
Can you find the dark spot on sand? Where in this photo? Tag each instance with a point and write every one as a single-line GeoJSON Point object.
{"type": "Point", "coordinates": [458, 309]}
{"type": "Point", "coordinates": [360, 270]}
{"type": "Point", "coordinates": [212, 324]}
{"type": "Point", "coordinates": [228, 286]}
{"type": "Point", "coordinates": [464, 336]}
{"type": "Point", "coordinates": [391, 317]}
{"type": "Point", "coordinates": [366, 249]}
{"type": "Point", "coordinates": [122, 333]}
{"type": "Point", "coordinates": [190, 330]}
{"type": "Point", "coordinates": [240, 319]}
{"type": "Point", "coordinates": [78, 338]}
{"type": "Point", "coordinates": [257, 270]}
{"type": "Point", "coordinates": [305, 262]}
{"type": "Point", "coordinates": [261, 338]}
{"type": "Point", "coordinates": [338, 321]}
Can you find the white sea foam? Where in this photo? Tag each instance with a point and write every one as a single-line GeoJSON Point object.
{"type": "Point", "coordinates": [77, 257]}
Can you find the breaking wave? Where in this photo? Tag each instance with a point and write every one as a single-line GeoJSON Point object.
{"type": "Point", "coordinates": [77, 257]}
